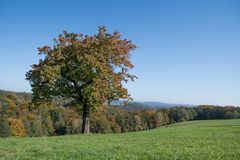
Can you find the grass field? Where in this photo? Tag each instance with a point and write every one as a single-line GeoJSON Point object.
{"type": "Point", "coordinates": [215, 139]}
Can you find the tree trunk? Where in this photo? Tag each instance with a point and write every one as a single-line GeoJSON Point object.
{"type": "Point", "coordinates": [85, 119]}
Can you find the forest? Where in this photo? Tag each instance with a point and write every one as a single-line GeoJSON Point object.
{"type": "Point", "coordinates": [20, 118]}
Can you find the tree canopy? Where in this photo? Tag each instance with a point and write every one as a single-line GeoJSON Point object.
{"type": "Point", "coordinates": [88, 69]}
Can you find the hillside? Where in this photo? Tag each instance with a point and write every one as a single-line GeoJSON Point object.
{"type": "Point", "coordinates": [198, 140]}
{"type": "Point", "coordinates": [19, 118]}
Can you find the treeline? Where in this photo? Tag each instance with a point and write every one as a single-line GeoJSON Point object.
{"type": "Point", "coordinates": [18, 117]}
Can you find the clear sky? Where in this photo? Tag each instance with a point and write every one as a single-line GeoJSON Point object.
{"type": "Point", "coordinates": [188, 50]}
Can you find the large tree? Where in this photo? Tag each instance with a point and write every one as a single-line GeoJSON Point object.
{"type": "Point", "coordinates": [89, 70]}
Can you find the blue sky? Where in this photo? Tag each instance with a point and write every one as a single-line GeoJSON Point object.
{"type": "Point", "coordinates": [188, 50]}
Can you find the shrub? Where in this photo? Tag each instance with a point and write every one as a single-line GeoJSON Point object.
{"type": "Point", "coordinates": [17, 127]}
{"type": "Point", "coordinates": [4, 127]}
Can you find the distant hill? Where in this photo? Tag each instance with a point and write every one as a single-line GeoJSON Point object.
{"type": "Point", "coordinates": [163, 105]}
{"type": "Point", "coordinates": [3, 92]}
{"type": "Point", "coordinates": [20, 96]}
{"type": "Point", "coordinates": [132, 105]}
{"type": "Point", "coordinates": [146, 105]}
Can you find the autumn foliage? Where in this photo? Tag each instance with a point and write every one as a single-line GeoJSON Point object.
{"type": "Point", "coordinates": [17, 127]}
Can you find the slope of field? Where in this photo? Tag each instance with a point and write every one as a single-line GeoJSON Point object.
{"type": "Point", "coordinates": [215, 139]}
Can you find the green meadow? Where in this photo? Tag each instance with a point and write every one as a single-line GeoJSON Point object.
{"type": "Point", "coordinates": [208, 139]}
